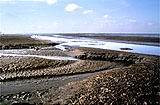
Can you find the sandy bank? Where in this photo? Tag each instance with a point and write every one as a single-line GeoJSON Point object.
{"type": "Point", "coordinates": [21, 42]}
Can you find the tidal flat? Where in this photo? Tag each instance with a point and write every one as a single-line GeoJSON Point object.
{"type": "Point", "coordinates": [97, 77]}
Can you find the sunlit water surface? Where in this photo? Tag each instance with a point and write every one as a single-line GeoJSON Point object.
{"type": "Point", "coordinates": [68, 41]}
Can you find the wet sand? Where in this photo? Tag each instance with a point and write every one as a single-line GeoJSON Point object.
{"type": "Point", "coordinates": [98, 77]}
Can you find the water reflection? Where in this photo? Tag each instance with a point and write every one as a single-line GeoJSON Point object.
{"type": "Point", "coordinates": [39, 56]}
{"type": "Point", "coordinates": [97, 43]}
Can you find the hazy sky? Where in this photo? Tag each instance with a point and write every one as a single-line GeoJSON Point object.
{"type": "Point", "coordinates": [51, 16]}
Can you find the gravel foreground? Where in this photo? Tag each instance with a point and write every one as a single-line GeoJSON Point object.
{"type": "Point", "coordinates": [99, 77]}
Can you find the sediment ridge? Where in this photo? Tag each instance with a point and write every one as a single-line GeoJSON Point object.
{"type": "Point", "coordinates": [22, 42]}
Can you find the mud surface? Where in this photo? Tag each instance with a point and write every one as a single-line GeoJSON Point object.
{"type": "Point", "coordinates": [22, 42]}
{"type": "Point", "coordinates": [98, 77]}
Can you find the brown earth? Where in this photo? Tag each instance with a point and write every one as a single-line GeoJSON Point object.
{"type": "Point", "coordinates": [36, 67]}
{"type": "Point", "coordinates": [135, 84]}
{"type": "Point", "coordinates": [19, 42]}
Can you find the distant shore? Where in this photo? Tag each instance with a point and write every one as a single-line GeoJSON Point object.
{"type": "Point", "coordinates": [126, 39]}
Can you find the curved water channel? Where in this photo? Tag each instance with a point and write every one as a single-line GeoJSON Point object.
{"type": "Point", "coordinates": [31, 85]}
{"type": "Point", "coordinates": [40, 56]}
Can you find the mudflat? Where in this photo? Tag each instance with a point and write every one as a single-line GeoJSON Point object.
{"type": "Point", "coordinates": [21, 41]}
{"type": "Point", "coordinates": [97, 76]}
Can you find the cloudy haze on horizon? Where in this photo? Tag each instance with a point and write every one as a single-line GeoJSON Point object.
{"type": "Point", "coordinates": [54, 16]}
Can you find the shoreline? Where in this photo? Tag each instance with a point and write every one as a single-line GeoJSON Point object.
{"type": "Point", "coordinates": [128, 38]}
{"type": "Point", "coordinates": [22, 42]}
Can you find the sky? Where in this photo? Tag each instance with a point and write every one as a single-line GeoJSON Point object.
{"type": "Point", "coordinates": [62, 16]}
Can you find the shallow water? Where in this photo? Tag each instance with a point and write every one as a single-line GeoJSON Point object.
{"type": "Point", "coordinates": [97, 43]}
{"type": "Point", "coordinates": [39, 56]}
{"type": "Point", "coordinates": [13, 87]}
